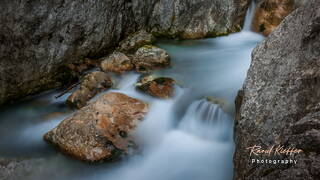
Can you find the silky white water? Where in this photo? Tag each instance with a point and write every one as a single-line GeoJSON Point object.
{"type": "Point", "coordinates": [183, 138]}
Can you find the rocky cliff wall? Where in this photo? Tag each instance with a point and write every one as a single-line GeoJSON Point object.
{"type": "Point", "coordinates": [280, 101]}
{"type": "Point", "coordinates": [38, 37]}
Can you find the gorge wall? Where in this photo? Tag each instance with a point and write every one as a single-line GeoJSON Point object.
{"type": "Point", "coordinates": [280, 100]}
{"type": "Point", "coordinates": [37, 38]}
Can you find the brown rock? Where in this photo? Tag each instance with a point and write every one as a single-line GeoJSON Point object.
{"type": "Point", "coordinates": [92, 84]}
{"type": "Point", "coordinates": [135, 41]}
{"type": "Point", "coordinates": [117, 62]}
{"type": "Point", "coordinates": [270, 13]}
{"type": "Point", "coordinates": [161, 87]}
{"type": "Point", "coordinates": [100, 130]}
{"type": "Point", "coordinates": [148, 58]}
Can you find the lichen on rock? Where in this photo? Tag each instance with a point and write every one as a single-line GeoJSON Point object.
{"type": "Point", "coordinates": [101, 130]}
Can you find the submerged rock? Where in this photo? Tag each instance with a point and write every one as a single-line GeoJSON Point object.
{"type": "Point", "coordinates": [92, 84]}
{"type": "Point", "coordinates": [270, 13]}
{"type": "Point", "coordinates": [280, 101]}
{"type": "Point", "coordinates": [161, 87]}
{"type": "Point", "coordinates": [15, 169]}
{"type": "Point", "coordinates": [101, 130]}
{"type": "Point", "coordinates": [135, 41]}
{"type": "Point", "coordinates": [148, 58]}
{"type": "Point", "coordinates": [117, 62]}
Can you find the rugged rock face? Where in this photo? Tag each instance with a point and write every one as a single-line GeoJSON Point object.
{"type": "Point", "coordinates": [92, 84]}
{"type": "Point", "coordinates": [100, 130]}
{"type": "Point", "coordinates": [148, 58]}
{"type": "Point", "coordinates": [117, 63]}
{"type": "Point", "coordinates": [161, 87]}
{"type": "Point", "coordinates": [281, 100]}
{"type": "Point", "coordinates": [14, 169]}
{"type": "Point", "coordinates": [37, 38]}
{"type": "Point", "coordinates": [192, 19]}
{"type": "Point", "coordinates": [270, 13]}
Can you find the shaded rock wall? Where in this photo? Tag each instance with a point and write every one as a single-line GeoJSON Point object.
{"type": "Point", "coordinates": [280, 102]}
{"type": "Point", "coordinates": [38, 37]}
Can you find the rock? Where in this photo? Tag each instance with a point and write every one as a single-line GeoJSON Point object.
{"type": "Point", "coordinates": [78, 68]}
{"type": "Point", "coordinates": [192, 19]}
{"type": "Point", "coordinates": [38, 38]}
{"type": "Point", "coordinates": [270, 13]}
{"type": "Point", "coordinates": [161, 87]}
{"type": "Point", "coordinates": [281, 99]}
{"type": "Point", "coordinates": [101, 130]}
{"type": "Point", "coordinates": [92, 84]}
{"type": "Point", "coordinates": [148, 58]}
{"type": "Point", "coordinates": [135, 41]}
{"type": "Point", "coordinates": [117, 63]}
{"type": "Point", "coordinates": [15, 169]}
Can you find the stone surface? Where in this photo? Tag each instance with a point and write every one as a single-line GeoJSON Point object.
{"type": "Point", "coordinates": [38, 38]}
{"type": "Point", "coordinates": [161, 87]}
{"type": "Point", "coordinates": [101, 130]}
{"type": "Point", "coordinates": [15, 169]}
{"type": "Point", "coordinates": [270, 13]}
{"type": "Point", "coordinates": [92, 84]}
{"type": "Point", "coordinates": [135, 41]}
{"type": "Point", "coordinates": [280, 102]}
{"type": "Point", "coordinates": [148, 58]}
{"type": "Point", "coordinates": [193, 19]}
{"type": "Point", "coordinates": [117, 63]}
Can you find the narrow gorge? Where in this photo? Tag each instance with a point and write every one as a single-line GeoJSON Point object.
{"type": "Point", "coordinates": [159, 89]}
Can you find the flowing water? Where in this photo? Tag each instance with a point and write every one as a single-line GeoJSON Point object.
{"type": "Point", "coordinates": [188, 137]}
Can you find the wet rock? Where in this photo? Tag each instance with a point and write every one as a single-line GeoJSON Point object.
{"type": "Point", "coordinates": [148, 58]}
{"type": "Point", "coordinates": [92, 84]}
{"type": "Point", "coordinates": [117, 63]}
{"type": "Point", "coordinates": [135, 41]}
{"type": "Point", "coordinates": [101, 130]}
{"type": "Point", "coordinates": [270, 13]}
{"type": "Point", "coordinates": [161, 87]}
{"type": "Point", "coordinates": [280, 101]}
{"type": "Point", "coordinates": [15, 169]}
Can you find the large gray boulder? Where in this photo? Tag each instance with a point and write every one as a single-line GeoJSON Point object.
{"type": "Point", "coordinates": [37, 38]}
{"type": "Point", "coordinates": [280, 100]}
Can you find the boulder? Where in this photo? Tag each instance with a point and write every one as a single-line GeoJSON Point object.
{"type": "Point", "coordinates": [193, 19]}
{"type": "Point", "coordinates": [161, 87]}
{"type": "Point", "coordinates": [135, 41]}
{"type": "Point", "coordinates": [38, 38]}
{"type": "Point", "coordinates": [117, 63]}
{"type": "Point", "coordinates": [100, 131]}
{"type": "Point", "coordinates": [92, 84]}
{"type": "Point", "coordinates": [280, 100]}
{"type": "Point", "coordinates": [148, 58]}
{"type": "Point", "coordinates": [270, 13]}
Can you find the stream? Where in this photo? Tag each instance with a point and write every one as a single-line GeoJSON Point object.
{"type": "Point", "coordinates": [186, 137]}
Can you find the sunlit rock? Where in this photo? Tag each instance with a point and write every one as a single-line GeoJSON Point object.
{"type": "Point", "coordinates": [161, 87]}
{"type": "Point", "coordinates": [270, 13]}
{"type": "Point", "coordinates": [100, 131]}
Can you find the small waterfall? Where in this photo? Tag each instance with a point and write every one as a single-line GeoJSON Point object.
{"type": "Point", "coordinates": [208, 121]}
{"type": "Point", "coordinates": [249, 16]}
